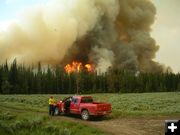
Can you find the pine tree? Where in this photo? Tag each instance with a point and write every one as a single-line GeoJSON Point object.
{"type": "Point", "coordinates": [13, 78]}
{"type": "Point", "coordinates": [1, 78]}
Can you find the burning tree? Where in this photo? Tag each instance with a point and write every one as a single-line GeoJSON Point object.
{"type": "Point", "coordinates": [76, 68]}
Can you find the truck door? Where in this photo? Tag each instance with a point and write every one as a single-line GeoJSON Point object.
{"type": "Point", "coordinates": [74, 108]}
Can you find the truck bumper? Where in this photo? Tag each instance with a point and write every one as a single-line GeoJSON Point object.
{"type": "Point", "coordinates": [101, 113]}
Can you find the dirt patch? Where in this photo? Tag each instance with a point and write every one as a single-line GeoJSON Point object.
{"type": "Point", "coordinates": [119, 126]}
{"type": "Point", "coordinates": [125, 126]}
{"type": "Point", "coordinates": [133, 126]}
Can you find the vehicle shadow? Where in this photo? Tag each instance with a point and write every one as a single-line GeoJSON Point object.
{"type": "Point", "coordinates": [104, 118]}
{"type": "Point", "coordinates": [94, 119]}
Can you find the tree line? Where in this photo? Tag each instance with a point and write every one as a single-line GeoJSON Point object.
{"type": "Point", "coordinates": [18, 79]}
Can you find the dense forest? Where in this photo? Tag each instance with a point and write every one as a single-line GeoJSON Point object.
{"type": "Point", "coordinates": [18, 79]}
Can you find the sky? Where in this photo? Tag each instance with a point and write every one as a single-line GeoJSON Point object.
{"type": "Point", "coordinates": [165, 30]}
{"type": "Point", "coordinates": [10, 10]}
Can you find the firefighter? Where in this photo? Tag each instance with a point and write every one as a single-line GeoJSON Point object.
{"type": "Point", "coordinates": [51, 105]}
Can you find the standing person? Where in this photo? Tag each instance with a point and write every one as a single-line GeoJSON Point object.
{"type": "Point", "coordinates": [51, 105]}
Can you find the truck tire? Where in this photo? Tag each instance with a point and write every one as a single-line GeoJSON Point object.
{"type": "Point", "coordinates": [56, 111]}
{"type": "Point", "coordinates": [85, 115]}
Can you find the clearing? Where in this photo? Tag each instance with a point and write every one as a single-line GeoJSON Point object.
{"type": "Point", "coordinates": [137, 114]}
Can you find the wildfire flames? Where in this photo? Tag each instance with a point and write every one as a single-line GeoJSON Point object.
{"type": "Point", "coordinates": [78, 67]}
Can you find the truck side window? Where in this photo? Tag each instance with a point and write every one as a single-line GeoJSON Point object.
{"type": "Point", "coordinates": [75, 100]}
{"type": "Point", "coordinates": [86, 100]}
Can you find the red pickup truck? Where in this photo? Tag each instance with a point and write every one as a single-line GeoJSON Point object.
{"type": "Point", "coordinates": [82, 105]}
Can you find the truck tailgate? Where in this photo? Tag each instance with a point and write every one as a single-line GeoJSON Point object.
{"type": "Point", "coordinates": [103, 107]}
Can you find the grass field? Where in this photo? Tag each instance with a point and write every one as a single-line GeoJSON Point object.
{"type": "Point", "coordinates": [24, 114]}
{"type": "Point", "coordinates": [150, 104]}
{"type": "Point", "coordinates": [15, 123]}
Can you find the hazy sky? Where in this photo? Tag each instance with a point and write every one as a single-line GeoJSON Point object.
{"type": "Point", "coordinates": [166, 29]}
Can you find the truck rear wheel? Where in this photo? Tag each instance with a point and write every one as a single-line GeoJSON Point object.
{"type": "Point", "coordinates": [85, 115]}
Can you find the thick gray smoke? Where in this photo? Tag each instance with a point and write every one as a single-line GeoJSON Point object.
{"type": "Point", "coordinates": [108, 33]}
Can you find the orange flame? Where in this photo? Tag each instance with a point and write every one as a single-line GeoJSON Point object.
{"type": "Point", "coordinates": [89, 67]}
{"type": "Point", "coordinates": [77, 67]}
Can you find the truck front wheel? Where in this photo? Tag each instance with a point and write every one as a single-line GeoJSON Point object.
{"type": "Point", "coordinates": [85, 115]}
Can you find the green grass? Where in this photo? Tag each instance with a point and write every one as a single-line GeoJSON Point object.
{"type": "Point", "coordinates": [144, 104]}
{"type": "Point", "coordinates": [12, 123]}
{"type": "Point", "coordinates": [28, 114]}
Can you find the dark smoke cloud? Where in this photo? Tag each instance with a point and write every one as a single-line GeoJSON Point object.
{"type": "Point", "coordinates": [108, 33]}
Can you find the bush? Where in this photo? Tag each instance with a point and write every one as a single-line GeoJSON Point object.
{"type": "Point", "coordinates": [6, 116]}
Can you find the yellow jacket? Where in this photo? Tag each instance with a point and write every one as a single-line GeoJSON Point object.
{"type": "Point", "coordinates": [51, 101]}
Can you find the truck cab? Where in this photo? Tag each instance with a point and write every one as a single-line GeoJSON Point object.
{"type": "Point", "coordinates": [84, 106]}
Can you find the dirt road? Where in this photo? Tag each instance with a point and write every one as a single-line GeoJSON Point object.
{"type": "Point", "coordinates": [132, 126]}
{"type": "Point", "coordinates": [128, 126]}
{"type": "Point", "coordinates": [118, 126]}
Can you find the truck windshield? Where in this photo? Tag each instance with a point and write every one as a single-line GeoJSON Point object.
{"type": "Point", "coordinates": [86, 100]}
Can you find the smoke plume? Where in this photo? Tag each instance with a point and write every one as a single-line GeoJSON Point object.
{"type": "Point", "coordinates": [107, 33]}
